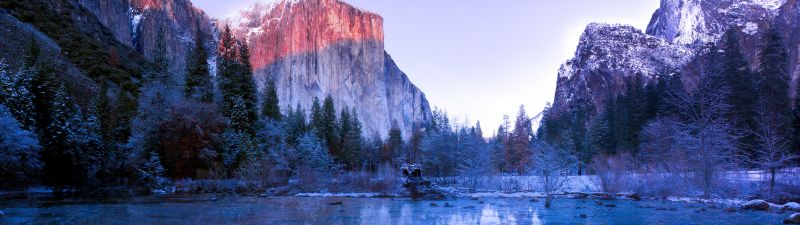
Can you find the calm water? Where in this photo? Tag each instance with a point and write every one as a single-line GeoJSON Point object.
{"type": "Point", "coordinates": [312, 210]}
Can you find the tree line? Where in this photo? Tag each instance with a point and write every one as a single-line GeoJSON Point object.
{"type": "Point", "coordinates": [728, 117]}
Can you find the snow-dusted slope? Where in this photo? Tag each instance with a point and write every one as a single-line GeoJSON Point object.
{"type": "Point", "coordinates": [702, 21]}
{"type": "Point", "coordinates": [609, 53]}
{"type": "Point", "coordinates": [679, 32]}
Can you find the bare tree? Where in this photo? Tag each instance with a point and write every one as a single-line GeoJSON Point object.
{"type": "Point", "coordinates": [772, 150]}
{"type": "Point", "coordinates": [702, 130]}
{"type": "Point", "coordinates": [552, 164]}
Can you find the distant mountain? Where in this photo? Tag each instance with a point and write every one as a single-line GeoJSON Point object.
{"type": "Point", "coordinates": [316, 48]}
{"type": "Point", "coordinates": [675, 41]}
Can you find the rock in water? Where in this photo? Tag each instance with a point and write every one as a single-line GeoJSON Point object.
{"type": "Point", "coordinates": [793, 219]}
{"type": "Point", "coordinates": [635, 197]}
{"type": "Point", "coordinates": [757, 204]}
{"type": "Point", "coordinates": [791, 206]}
{"type": "Point", "coordinates": [336, 203]}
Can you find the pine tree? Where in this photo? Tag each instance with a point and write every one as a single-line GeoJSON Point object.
{"type": "Point", "coordinates": [316, 123]}
{"type": "Point", "coordinates": [271, 105]}
{"type": "Point", "coordinates": [246, 84]}
{"type": "Point", "coordinates": [352, 141]}
{"type": "Point", "coordinates": [15, 93]}
{"type": "Point", "coordinates": [19, 152]}
{"type": "Point", "coordinates": [741, 83]}
{"type": "Point", "coordinates": [345, 126]}
{"type": "Point", "coordinates": [239, 116]}
{"type": "Point", "coordinates": [774, 82]}
{"type": "Point", "coordinates": [236, 81]}
{"type": "Point", "coordinates": [329, 127]}
{"type": "Point", "coordinates": [59, 158]}
{"type": "Point", "coordinates": [313, 154]}
{"type": "Point", "coordinates": [394, 144]}
{"type": "Point", "coordinates": [227, 70]}
{"type": "Point", "coordinates": [519, 153]}
{"type": "Point", "coordinates": [198, 78]}
{"type": "Point", "coordinates": [86, 141]}
{"type": "Point", "coordinates": [295, 124]}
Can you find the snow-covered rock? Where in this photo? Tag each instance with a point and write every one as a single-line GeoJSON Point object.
{"type": "Point", "coordinates": [756, 204]}
{"type": "Point", "coordinates": [793, 219]}
{"type": "Point", "coordinates": [607, 55]}
{"type": "Point", "coordinates": [791, 206]}
{"type": "Point", "coordinates": [349, 195]}
{"type": "Point", "coordinates": [701, 21]}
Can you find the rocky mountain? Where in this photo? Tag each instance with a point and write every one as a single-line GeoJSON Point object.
{"type": "Point", "coordinates": [136, 24]}
{"type": "Point", "coordinates": [698, 22]}
{"type": "Point", "coordinates": [315, 48]}
{"type": "Point", "coordinates": [675, 41]}
{"type": "Point", "coordinates": [606, 55]}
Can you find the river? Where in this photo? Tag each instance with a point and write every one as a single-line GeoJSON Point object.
{"type": "Point", "coordinates": [335, 210]}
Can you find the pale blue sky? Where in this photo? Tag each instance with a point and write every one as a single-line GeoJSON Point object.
{"type": "Point", "coordinates": [481, 59]}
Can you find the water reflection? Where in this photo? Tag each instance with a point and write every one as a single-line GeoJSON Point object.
{"type": "Point", "coordinates": [293, 210]}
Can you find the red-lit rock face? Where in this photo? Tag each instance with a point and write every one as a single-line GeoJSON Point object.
{"type": "Point", "coordinates": [315, 48]}
{"type": "Point", "coordinates": [284, 28]}
{"type": "Point", "coordinates": [147, 4]}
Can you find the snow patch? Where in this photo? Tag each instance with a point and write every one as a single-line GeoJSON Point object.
{"type": "Point", "coordinates": [349, 195]}
{"type": "Point", "coordinates": [506, 195]}
{"type": "Point", "coordinates": [771, 5]}
{"type": "Point", "coordinates": [136, 17]}
{"type": "Point", "coordinates": [750, 28]}
{"type": "Point", "coordinates": [722, 201]}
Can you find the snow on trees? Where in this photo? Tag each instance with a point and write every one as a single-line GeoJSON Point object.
{"type": "Point", "coordinates": [552, 164]}
{"type": "Point", "coordinates": [771, 152]}
{"type": "Point", "coordinates": [703, 132]}
{"type": "Point", "coordinates": [19, 152]}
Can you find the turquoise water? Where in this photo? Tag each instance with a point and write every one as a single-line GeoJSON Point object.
{"type": "Point", "coordinates": [318, 210]}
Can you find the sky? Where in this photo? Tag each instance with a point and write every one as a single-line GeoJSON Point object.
{"type": "Point", "coordinates": [478, 59]}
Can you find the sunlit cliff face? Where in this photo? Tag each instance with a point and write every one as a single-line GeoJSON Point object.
{"type": "Point", "coordinates": [315, 48]}
{"type": "Point", "coordinates": [284, 28]}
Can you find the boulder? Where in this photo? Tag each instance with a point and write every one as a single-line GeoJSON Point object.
{"type": "Point", "coordinates": [757, 204]}
{"type": "Point", "coordinates": [793, 219]}
{"type": "Point", "coordinates": [794, 206]}
{"type": "Point", "coordinates": [635, 197]}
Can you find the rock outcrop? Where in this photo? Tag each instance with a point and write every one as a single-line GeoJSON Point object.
{"type": "Point", "coordinates": [607, 55]}
{"type": "Point", "coordinates": [691, 22]}
{"type": "Point", "coordinates": [136, 24]}
{"type": "Point", "coordinates": [315, 48]}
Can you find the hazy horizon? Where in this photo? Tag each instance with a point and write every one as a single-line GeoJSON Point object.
{"type": "Point", "coordinates": [479, 60]}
